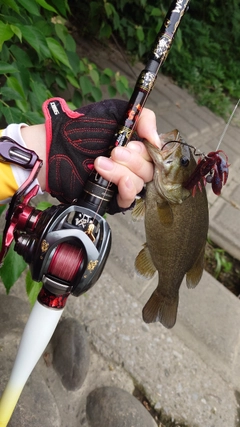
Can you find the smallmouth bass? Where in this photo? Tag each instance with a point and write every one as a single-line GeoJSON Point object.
{"type": "Point", "coordinates": [176, 226]}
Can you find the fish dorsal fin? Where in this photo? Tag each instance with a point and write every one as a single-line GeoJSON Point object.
{"type": "Point", "coordinates": [165, 214]}
{"type": "Point", "coordinates": [138, 211]}
{"type": "Point", "coordinates": [194, 275]}
{"type": "Point", "coordinates": [143, 263]}
{"type": "Point", "coordinates": [161, 309]}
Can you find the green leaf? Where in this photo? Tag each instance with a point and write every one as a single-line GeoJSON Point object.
{"type": "Point", "coordinates": [5, 54]}
{"type": "Point", "coordinates": [43, 205]}
{"type": "Point", "coordinates": [33, 118]}
{"type": "Point", "coordinates": [62, 6]}
{"type": "Point", "coordinates": [22, 105]}
{"type": "Point", "coordinates": [24, 77]}
{"type": "Point", "coordinates": [77, 100]}
{"type": "Point", "coordinates": [94, 76]}
{"type": "Point", "coordinates": [104, 79]}
{"type": "Point", "coordinates": [21, 56]}
{"type": "Point", "coordinates": [12, 268]}
{"type": "Point", "coordinates": [30, 6]}
{"type": "Point", "coordinates": [108, 72]}
{"type": "Point", "coordinates": [75, 63]}
{"type": "Point", "coordinates": [178, 40]}
{"type": "Point", "coordinates": [5, 33]}
{"type": "Point", "coordinates": [156, 12]}
{"type": "Point", "coordinates": [35, 38]}
{"type": "Point", "coordinates": [12, 114]}
{"type": "Point", "coordinates": [85, 85]}
{"type": "Point", "coordinates": [109, 9]}
{"type": "Point", "coordinates": [33, 288]}
{"type": "Point", "coordinates": [120, 87]}
{"type": "Point", "coordinates": [12, 4]}
{"type": "Point", "coordinates": [61, 31]}
{"type": "Point", "coordinates": [13, 83]}
{"type": "Point", "coordinates": [124, 81]}
{"type": "Point", "coordinates": [140, 33]}
{"type": "Point", "coordinates": [72, 79]}
{"type": "Point", "coordinates": [83, 65]}
{"type": "Point", "coordinates": [49, 78]}
{"type": "Point", "coordinates": [61, 82]}
{"type": "Point", "coordinates": [6, 68]}
{"type": "Point", "coordinates": [9, 94]}
{"type": "Point", "coordinates": [105, 30]}
{"type": "Point", "coordinates": [70, 44]}
{"type": "Point", "coordinates": [16, 31]}
{"type": "Point", "coordinates": [57, 51]}
{"type": "Point", "coordinates": [39, 93]}
{"type": "Point", "coordinates": [112, 91]}
{"type": "Point", "coordinates": [96, 94]}
{"type": "Point", "coordinates": [45, 5]}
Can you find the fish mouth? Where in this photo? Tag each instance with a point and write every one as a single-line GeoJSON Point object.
{"type": "Point", "coordinates": [175, 150]}
{"type": "Point", "coordinates": [173, 145]}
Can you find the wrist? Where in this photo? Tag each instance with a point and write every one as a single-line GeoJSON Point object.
{"type": "Point", "coordinates": [35, 139]}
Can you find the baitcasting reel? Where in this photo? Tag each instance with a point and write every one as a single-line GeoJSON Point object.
{"type": "Point", "coordinates": [66, 246]}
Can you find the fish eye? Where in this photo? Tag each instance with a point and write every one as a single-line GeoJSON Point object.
{"type": "Point", "coordinates": [184, 161]}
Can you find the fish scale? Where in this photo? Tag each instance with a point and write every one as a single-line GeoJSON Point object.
{"type": "Point", "coordinates": [176, 226]}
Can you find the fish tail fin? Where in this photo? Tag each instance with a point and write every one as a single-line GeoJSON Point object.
{"type": "Point", "coordinates": [161, 309]}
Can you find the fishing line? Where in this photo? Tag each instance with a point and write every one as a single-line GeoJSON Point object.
{"type": "Point", "coordinates": [66, 262]}
{"type": "Point", "coordinates": [227, 125]}
{"type": "Point", "coordinates": [196, 151]}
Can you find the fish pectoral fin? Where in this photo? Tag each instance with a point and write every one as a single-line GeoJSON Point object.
{"type": "Point", "coordinates": [165, 214]}
{"type": "Point", "coordinates": [160, 308]}
{"type": "Point", "coordinates": [143, 263]}
{"type": "Point", "coordinates": [138, 211]}
{"type": "Point", "coordinates": [194, 275]}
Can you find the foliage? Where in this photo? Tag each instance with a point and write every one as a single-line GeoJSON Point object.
{"type": "Point", "coordinates": [135, 22]}
{"type": "Point", "coordinates": [208, 63]}
{"type": "Point", "coordinates": [222, 261]}
{"type": "Point", "coordinates": [13, 267]}
{"type": "Point", "coordinates": [222, 264]}
{"type": "Point", "coordinates": [38, 59]}
{"type": "Point", "coordinates": [205, 55]}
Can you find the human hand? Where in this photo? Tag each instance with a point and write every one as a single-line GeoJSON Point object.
{"type": "Point", "coordinates": [74, 139]}
{"type": "Point", "coordinates": [131, 166]}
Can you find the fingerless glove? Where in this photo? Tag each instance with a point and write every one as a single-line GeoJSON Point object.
{"type": "Point", "coordinates": [74, 140]}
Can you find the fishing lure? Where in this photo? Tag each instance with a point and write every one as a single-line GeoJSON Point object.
{"type": "Point", "coordinates": [212, 168]}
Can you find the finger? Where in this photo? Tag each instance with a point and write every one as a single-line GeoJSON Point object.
{"type": "Point", "coordinates": [116, 172]}
{"type": "Point", "coordinates": [127, 190]}
{"type": "Point", "coordinates": [140, 148]}
{"type": "Point", "coordinates": [137, 162]}
{"type": "Point", "coordinates": [129, 184]}
{"type": "Point", "coordinates": [147, 128]}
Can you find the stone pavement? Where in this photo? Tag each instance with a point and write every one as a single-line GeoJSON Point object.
{"type": "Point", "coordinates": [190, 375]}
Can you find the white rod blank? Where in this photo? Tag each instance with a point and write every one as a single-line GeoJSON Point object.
{"type": "Point", "coordinates": [36, 336]}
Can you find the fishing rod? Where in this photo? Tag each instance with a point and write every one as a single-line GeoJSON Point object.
{"type": "Point", "coordinates": [67, 246]}
{"type": "Point", "coordinates": [98, 192]}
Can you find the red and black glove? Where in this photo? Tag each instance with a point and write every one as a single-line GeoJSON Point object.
{"type": "Point", "coordinates": [74, 140]}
